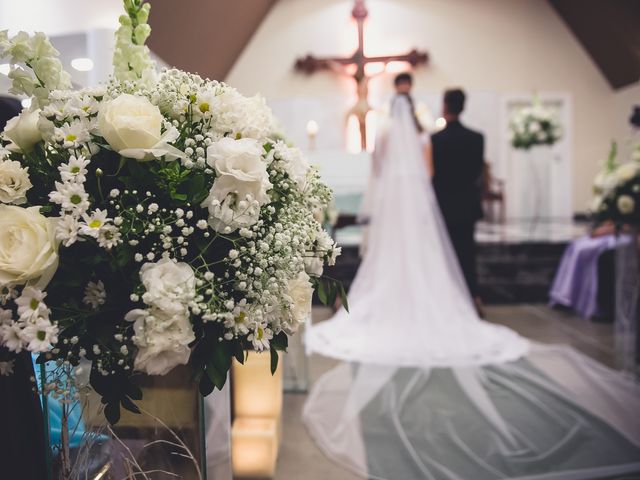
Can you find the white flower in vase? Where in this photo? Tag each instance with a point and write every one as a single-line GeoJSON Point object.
{"type": "Point", "coordinates": [28, 246]}
{"type": "Point", "coordinates": [169, 285]}
{"type": "Point", "coordinates": [260, 336]}
{"type": "Point", "coordinates": [626, 204]}
{"type": "Point", "coordinates": [162, 338]}
{"type": "Point", "coordinates": [22, 131]}
{"type": "Point", "coordinates": [75, 170]}
{"type": "Point", "coordinates": [11, 337]}
{"type": "Point", "coordinates": [31, 304]}
{"type": "Point", "coordinates": [241, 188]}
{"type": "Point", "coordinates": [14, 182]}
{"type": "Point", "coordinates": [626, 172]}
{"type": "Point", "coordinates": [301, 294]}
{"type": "Point", "coordinates": [132, 126]}
{"type": "Point", "coordinates": [40, 336]}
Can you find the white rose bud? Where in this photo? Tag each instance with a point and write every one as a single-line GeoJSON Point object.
{"type": "Point", "coordinates": [22, 131]}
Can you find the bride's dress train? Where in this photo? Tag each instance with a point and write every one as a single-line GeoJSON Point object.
{"type": "Point", "coordinates": [428, 390]}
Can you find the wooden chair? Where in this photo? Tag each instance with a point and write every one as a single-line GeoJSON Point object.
{"type": "Point", "coordinates": [493, 196]}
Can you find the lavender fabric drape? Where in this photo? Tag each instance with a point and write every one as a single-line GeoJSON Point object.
{"type": "Point", "coordinates": [576, 282]}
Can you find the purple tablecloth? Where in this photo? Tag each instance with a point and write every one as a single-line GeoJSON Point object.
{"type": "Point", "coordinates": [576, 282]}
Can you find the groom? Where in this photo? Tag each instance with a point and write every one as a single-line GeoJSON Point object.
{"type": "Point", "coordinates": [458, 158]}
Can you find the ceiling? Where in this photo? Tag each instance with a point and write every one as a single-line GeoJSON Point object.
{"type": "Point", "coordinates": [213, 33]}
{"type": "Point", "coordinates": [609, 30]}
{"type": "Point", "coordinates": [209, 34]}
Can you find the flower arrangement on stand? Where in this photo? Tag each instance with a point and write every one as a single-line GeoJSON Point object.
{"type": "Point", "coordinates": [534, 125]}
{"type": "Point", "coordinates": [157, 221]}
{"type": "Point", "coordinates": [617, 190]}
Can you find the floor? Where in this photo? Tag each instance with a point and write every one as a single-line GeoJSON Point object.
{"type": "Point", "coordinates": [299, 457]}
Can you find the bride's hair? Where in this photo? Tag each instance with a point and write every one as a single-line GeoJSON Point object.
{"type": "Point", "coordinates": [416, 122]}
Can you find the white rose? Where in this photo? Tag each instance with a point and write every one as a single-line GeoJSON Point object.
{"type": "Point", "coordinates": [14, 182]}
{"type": "Point", "coordinates": [162, 339]}
{"type": "Point", "coordinates": [168, 284]}
{"type": "Point", "coordinates": [626, 204]}
{"type": "Point", "coordinates": [241, 188]}
{"type": "Point", "coordinates": [626, 172]}
{"type": "Point", "coordinates": [301, 293]}
{"type": "Point", "coordinates": [22, 131]}
{"type": "Point", "coordinates": [28, 246]}
{"type": "Point", "coordinates": [133, 127]}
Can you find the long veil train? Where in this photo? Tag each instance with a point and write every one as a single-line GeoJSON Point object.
{"type": "Point", "coordinates": [427, 390]}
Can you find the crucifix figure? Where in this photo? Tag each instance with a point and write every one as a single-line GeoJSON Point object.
{"type": "Point", "coordinates": [311, 64]}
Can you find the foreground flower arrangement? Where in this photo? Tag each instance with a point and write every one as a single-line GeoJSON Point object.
{"type": "Point", "coordinates": [617, 190]}
{"type": "Point", "coordinates": [158, 221]}
{"type": "Point", "coordinates": [534, 125]}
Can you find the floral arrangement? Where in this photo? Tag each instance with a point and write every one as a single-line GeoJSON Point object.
{"type": "Point", "coordinates": [157, 221]}
{"type": "Point", "coordinates": [534, 125]}
{"type": "Point", "coordinates": [616, 190]}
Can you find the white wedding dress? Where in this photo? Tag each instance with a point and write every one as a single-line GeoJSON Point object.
{"type": "Point", "coordinates": [428, 390]}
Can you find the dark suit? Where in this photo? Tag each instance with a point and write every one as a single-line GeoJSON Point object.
{"type": "Point", "coordinates": [458, 158]}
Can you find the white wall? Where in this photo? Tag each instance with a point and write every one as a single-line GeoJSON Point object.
{"type": "Point", "coordinates": [58, 17]}
{"type": "Point", "coordinates": [500, 46]}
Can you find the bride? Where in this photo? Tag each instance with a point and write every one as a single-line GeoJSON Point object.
{"type": "Point", "coordinates": [427, 389]}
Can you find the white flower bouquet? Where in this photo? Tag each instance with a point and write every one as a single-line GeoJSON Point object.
{"type": "Point", "coordinates": [534, 125]}
{"type": "Point", "coordinates": [154, 222]}
{"type": "Point", "coordinates": [616, 190]}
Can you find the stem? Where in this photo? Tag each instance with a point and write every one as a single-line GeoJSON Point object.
{"type": "Point", "coordinates": [45, 415]}
{"type": "Point", "coordinates": [203, 439]}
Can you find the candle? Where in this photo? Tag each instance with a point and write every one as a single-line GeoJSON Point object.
{"type": "Point", "coordinates": [312, 132]}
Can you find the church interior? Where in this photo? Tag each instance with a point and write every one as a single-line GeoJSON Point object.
{"type": "Point", "coordinates": [326, 68]}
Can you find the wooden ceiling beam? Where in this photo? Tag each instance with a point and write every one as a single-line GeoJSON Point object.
{"type": "Point", "coordinates": [204, 36]}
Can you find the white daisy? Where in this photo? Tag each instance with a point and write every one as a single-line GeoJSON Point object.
{"type": "Point", "coordinates": [11, 338]}
{"type": "Point", "coordinates": [109, 236]}
{"type": "Point", "coordinates": [260, 337]}
{"type": "Point", "coordinates": [67, 230]}
{"type": "Point", "coordinates": [40, 336]}
{"type": "Point", "coordinates": [238, 322]}
{"type": "Point", "coordinates": [94, 223]}
{"type": "Point", "coordinates": [75, 170]}
{"type": "Point", "coordinates": [70, 196]}
{"type": "Point", "coordinates": [31, 304]}
{"type": "Point", "coordinates": [72, 135]}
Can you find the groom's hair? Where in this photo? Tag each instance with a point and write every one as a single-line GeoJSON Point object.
{"type": "Point", "coordinates": [403, 78]}
{"type": "Point", "coordinates": [454, 100]}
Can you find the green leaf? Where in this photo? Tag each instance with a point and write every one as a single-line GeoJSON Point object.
{"type": "Point", "coordinates": [134, 391]}
{"type": "Point", "coordinates": [322, 293]}
{"type": "Point", "coordinates": [181, 197]}
{"type": "Point", "coordinates": [129, 405]}
{"type": "Point", "coordinates": [206, 386]}
{"type": "Point", "coordinates": [112, 412]}
{"type": "Point", "coordinates": [238, 353]}
{"type": "Point", "coordinates": [274, 360]}
{"type": "Point", "coordinates": [217, 378]}
{"type": "Point", "coordinates": [343, 298]}
{"type": "Point", "coordinates": [280, 341]}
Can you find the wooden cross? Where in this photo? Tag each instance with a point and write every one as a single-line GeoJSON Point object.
{"type": "Point", "coordinates": [311, 64]}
